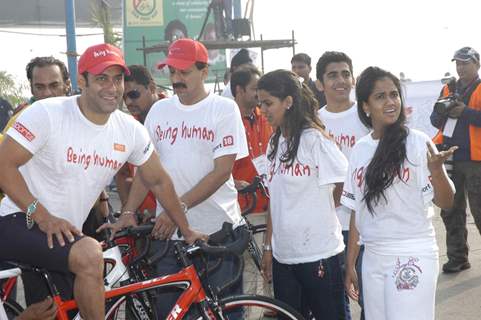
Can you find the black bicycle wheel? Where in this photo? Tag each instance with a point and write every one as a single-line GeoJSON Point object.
{"type": "Point", "coordinates": [12, 309]}
{"type": "Point", "coordinates": [253, 282]}
{"type": "Point", "coordinates": [257, 307]}
{"type": "Point", "coordinates": [137, 306]}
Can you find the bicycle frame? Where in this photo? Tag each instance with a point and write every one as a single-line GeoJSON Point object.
{"type": "Point", "coordinates": [187, 278]}
{"type": "Point", "coordinates": [7, 287]}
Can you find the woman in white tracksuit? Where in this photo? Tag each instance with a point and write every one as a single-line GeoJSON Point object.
{"type": "Point", "coordinates": [394, 174]}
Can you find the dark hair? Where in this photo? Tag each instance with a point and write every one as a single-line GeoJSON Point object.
{"type": "Point", "coordinates": [242, 77]}
{"type": "Point", "coordinates": [330, 57]}
{"type": "Point", "coordinates": [227, 75]}
{"type": "Point", "coordinates": [201, 65]}
{"type": "Point", "coordinates": [139, 74]}
{"type": "Point", "coordinates": [301, 57]}
{"type": "Point", "coordinates": [85, 74]}
{"type": "Point", "coordinates": [390, 154]}
{"type": "Point", "coordinates": [240, 58]}
{"type": "Point", "coordinates": [301, 115]}
{"type": "Point", "coordinates": [46, 61]}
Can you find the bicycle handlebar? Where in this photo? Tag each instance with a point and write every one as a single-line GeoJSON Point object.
{"type": "Point", "coordinates": [251, 190]}
{"type": "Point", "coordinates": [237, 247]}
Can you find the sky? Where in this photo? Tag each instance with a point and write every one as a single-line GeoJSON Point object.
{"type": "Point", "coordinates": [415, 37]}
{"type": "Point", "coordinates": [418, 38]}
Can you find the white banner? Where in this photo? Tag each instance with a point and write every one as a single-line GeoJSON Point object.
{"type": "Point", "coordinates": [419, 102]}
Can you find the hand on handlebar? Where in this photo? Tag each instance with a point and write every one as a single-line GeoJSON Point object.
{"type": "Point", "coordinates": [124, 221]}
{"type": "Point", "coordinates": [240, 184]}
{"type": "Point", "coordinates": [191, 236]}
{"type": "Point", "coordinates": [164, 227]}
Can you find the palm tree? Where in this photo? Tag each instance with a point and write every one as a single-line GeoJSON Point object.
{"type": "Point", "coordinates": [100, 10]}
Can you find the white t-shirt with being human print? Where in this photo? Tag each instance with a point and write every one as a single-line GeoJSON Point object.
{"type": "Point", "coordinates": [188, 139]}
{"type": "Point", "coordinates": [73, 159]}
{"type": "Point", "coordinates": [304, 221]}
{"type": "Point", "coordinates": [403, 224]}
{"type": "Point", "coordinates": [346, 128]}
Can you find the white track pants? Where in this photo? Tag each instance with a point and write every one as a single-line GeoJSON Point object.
{"type": "Point", "coordinates": [399, 287]}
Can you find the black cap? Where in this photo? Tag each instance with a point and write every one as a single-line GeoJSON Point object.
{"type": "Point", "coordinates": [465, 54]}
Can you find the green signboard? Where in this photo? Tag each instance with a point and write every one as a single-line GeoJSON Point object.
{"type": "Point", "coordinates": [167, 20]}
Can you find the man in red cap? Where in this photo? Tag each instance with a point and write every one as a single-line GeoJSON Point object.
{"type": "Point", "coordinates": [55, 161]}
{"type": "Point", "coordinates": [198, 136]}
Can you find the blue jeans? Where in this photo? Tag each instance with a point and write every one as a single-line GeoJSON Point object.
{"type": "Point", "coordinates": [322, 292]}
{"type": "Point", "coordinates": [345, 239]}
{"type": "Point", "coordinates": [169, 264]}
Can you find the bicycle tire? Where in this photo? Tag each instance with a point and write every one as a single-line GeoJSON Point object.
{"type": "Point", "coordinates": [136, 306]}
{"type": "Point", "coordinates": [253, 281]}
{"type": "Point", "coordinates": [12, 308]}
{"type": "Point", "coordinates": [255, 307]}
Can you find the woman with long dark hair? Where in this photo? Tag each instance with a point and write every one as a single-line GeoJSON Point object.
{"type": "Point", "coordinates": [394, 174]}
{"type": "Point", "coordinates": [303, 243]}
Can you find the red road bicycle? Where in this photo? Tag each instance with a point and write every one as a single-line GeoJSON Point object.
{"type": "Point", "coordinates": [130, 292]}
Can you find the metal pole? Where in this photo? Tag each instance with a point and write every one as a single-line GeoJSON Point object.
{"type": "Point", "coordinates": [262, 56]}
{"type": "Point", "coordinates": [71, 44]}
{"type": "Point", "coordinates": [143, 51]}
{"type": "Point", "coordinates": [293, 44]}
{"type": "Point", "coordinates": [237, 9]}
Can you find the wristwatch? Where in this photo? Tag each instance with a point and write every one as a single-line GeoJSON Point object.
{"type": "Point", "coordinates": [266, 247]}
{"type": "Point", "coordinates": [28, 215]}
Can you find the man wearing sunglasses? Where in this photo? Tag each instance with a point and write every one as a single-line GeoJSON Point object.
{"type": "Point", "coordinates": [198, 136]}
{"type": "Point", "coordinates": [139, 95]}
{"type": "Point", "coordinates": [54, 162]}
{"type": "Point", "coordinates": [140, 92]}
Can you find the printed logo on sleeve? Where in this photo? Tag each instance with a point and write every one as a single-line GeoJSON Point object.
{"type": "Point", "coordinates": [228, 141]}
{"type": "Point", "coordinates": [147, 148]}
{"type": "Point", "coordinates": [348, 195]}
{"type": "Point", "coordinates": [24, 131]}
{"type": "Point", "coordinates": [119, 147]}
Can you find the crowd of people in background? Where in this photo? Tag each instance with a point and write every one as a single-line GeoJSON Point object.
{"type": "Point", "coordinates": [349, 183]}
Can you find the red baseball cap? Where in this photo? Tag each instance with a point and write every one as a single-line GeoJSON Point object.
{"type": "Point", "coordinates": [99, 57]}
{"type": "Point", "coordinates": [183, 53]}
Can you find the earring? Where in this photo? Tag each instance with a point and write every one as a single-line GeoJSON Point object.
{"type": "Point", "coordinates": [289, 106]}
{"type": "Point", "coordinates": [368, 114]}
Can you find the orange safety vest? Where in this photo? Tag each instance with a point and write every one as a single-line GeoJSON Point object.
{"type": "Point", "coordinates": [474, 132]}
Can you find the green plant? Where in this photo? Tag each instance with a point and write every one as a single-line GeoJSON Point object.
{"type": "Point", "coordinates": [10, 90]}
{"type": "Point", "coordinates": [100, 12]}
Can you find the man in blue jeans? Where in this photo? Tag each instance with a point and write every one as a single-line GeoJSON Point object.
{"type": "Point", "coordinates": [198, 136]}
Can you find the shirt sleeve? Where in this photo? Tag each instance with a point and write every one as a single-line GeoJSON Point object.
{"type": "Point", "coordinates": [230, 136]}
{"type": "Point", "coordinates": [32, 128]}
{"type": "Point", "coordinates": [331, 162]}
{"type": "Point", "coordinates": [348, 198]}
{"type": "Point", "coordinates": [143, 147]}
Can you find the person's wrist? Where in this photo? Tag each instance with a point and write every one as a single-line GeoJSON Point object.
{"type": "Point", "coordinates": [40, 214]}
{"type": "Point", "coordinates": [186, 232]}
{"type": "Point", "coordinates": [184, 207]}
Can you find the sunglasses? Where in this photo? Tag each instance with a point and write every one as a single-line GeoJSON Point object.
{"type": "Point", "coordinates": [133, 94]}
